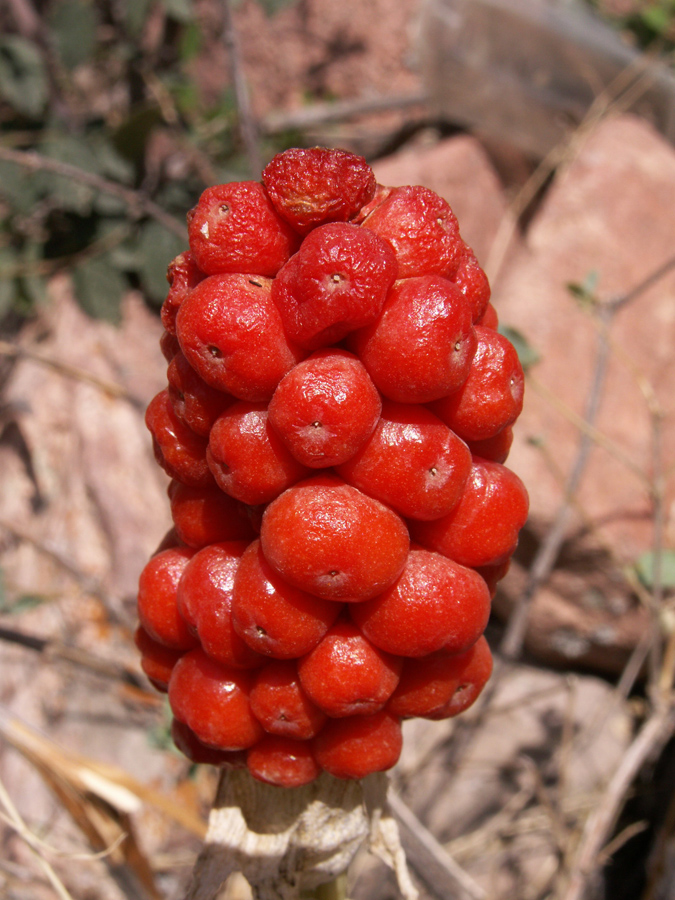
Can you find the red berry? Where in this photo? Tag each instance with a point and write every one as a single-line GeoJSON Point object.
{"type": "Point", "coordinates": [231, 334]}
{"type": "Point", "coordinates": [492, 575]}
{"type": "Point", "coordinates": [207, 516]}
{"type": "Point", "coordinates": [280, 704]}
{"type": "Point", "coordinates": [157, 660]}
{"type": "Point", "coordinates": [157, 604]}
{"type": "Point", "coordinates": [282, 761]}
{"type": "Point", "coordinates": [432, 686]}
{"type": "Point", "coordinates": [422, 229]}
{"type": "Point", "coordinates": [346, 675]}
{"type": "Point", "coordinates": [183, 274]}
{"type": "Point", "coordinates": [213, 701]}
{"type": "Point", "coordinates": [312, 186]}
{"type": "Point", "coordinates": [325, 408]}
{"type": "Point", "coordinates": [412, 462]}
{"type": "Point", "coordinates": [194, 401]}
{"type": "Point", "coordinates": [489, 319]}
{"type": "Point", "coordinates": [205, 601]}
{"type": "Point", "coordinates": [359, 745]}
{"type": "Point", "coordinates": [168, 344]}
{"type": "Point", "coordinates": [334, 541]}
{"type": "Point", "coordinates": [473, 283]}
{"type": "Point", "coordinates": [473, 674]}
{"type": "Point", "coordinates": [436, 604]}
{"type": "Point", "coordinates": [421, 346]}
{"type": "Point", "coordinates": [177, 448]}
{"type": "Point", "coordinates": [482, 530]}
{"type": "Point", "coordinates": [235, 228]}
{"type": "Point", "coordinates": [247, 458]}
{"type": "Point", "coordinates": [335, 283]}
{"type": "Point", "coordinates": [200, 753]}
{"type": "Point", "coordinates": [274, 617]}
{"type": "Point", "coordinates": [495, 448]}
{"type": "Point", "coordinates": [380, 195]}
{"type": "Point", "coordinates": [491, 398]}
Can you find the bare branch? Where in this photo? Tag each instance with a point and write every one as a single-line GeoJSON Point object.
{"type": "Point", "coordinates": [649, 741]}
{"type": "Point", "coordinates": [247, 123]}
{"type": "Point", "coordinates": [138, 204]}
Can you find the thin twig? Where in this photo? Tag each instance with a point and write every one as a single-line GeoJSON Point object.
{"type": "Point", "coordinates": [548, 552]}
{"type": "Point", "coordinates": [651, 738]}
{"type": "Point", "coordinates": [138, 204]}
{"type": "Point", "coordinates": [337, 111]}
{"type": "Point", "coordinates": [88, 583]}
{"type": "Point", "coordinates": [247, 122]}
{"type": "Point", "coordinates": [70, 371]}
{"type": "Point", "coordinates": [430, 860]}
{"type": "Point", "coordinates": [52, 649]}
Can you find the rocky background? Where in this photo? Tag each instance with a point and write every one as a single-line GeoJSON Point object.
{"type": "Point", "coordinates": [578, 722]}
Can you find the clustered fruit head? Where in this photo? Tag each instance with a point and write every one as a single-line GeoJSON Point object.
{"type": "Point", "coordinates": [338, 413]}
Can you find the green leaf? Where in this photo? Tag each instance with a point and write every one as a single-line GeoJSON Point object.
{"type": "Point", "coordinates": [8, 261]}
{"type": "Point", "coordinates": [527, 354]}
{"type": "Point", "coordinates": [190, 42]}
{"type": "Point", "coordinates": [131, 137]}
{"type": "Point", "coordinates": [23, 78]}
{"type": "Point", "coordinates": [18, 186]}
{"type": "Point", "coordinates": [271, 7]}
{"type": "Point", "coordinates": [157, 248]}
{"type": "Point", "coordinates": [99, 287]}
{"type": "Point", "coordinates": [657, 18]}
{"type": "Point", "coordinates": [24, 603]}
{"type": "Point", "coordinates": [180, 10]}
{"type": "Point", "coordinates": [136, 15]}
{"type": "Point", "coordinates": [67, 192]}
{"type": "Point", "coordinates": [32, 291]}
{"type": "Point", "coordinates": [644, 566]}
{"type": "Point", "coordinates": [74, 24]}
{"type": "Point", "coordinates": [585, 291]}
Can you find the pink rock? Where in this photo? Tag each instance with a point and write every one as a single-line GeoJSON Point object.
{"type": "Point", "coordinates": [611, 211]}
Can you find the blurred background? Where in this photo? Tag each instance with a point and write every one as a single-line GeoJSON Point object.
{"type": "Point", "coordinates": [548, 125]}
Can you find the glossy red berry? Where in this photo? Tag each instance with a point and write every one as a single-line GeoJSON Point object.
{"type": "Point", "coordinates": [325, 408]}
{"type": "Point", "coordinates": [435, 605]}
{"type": "Point", "coordinates": [332, 540]}
{"type": "Point", "coordinates": [280, 704]}
{"type": "Point", "coordinates": [247, 458]}
{"type": "Point", "coordinates": [421, 347]}
{"type": "Point", "coordinates": [412, 462]}
{"type": "Point", "coordinates": [482, 530]}
{"type": "Point", "coordinates": [282, 761]}
{"type": "Point", "coordinates": [274, 617]}
{"type": "Point", "coordinates": [346, 675]}
{"type": "Point", "coordinates": [213, 701]}
{"type": "Point", "coordinates": [157, 599]}
{"type": "Point", "coordinates": [335, 283]}
{"type": "Point", "coordinates": [205, 602]}
{"type": "Point", "coordinates": [359, 745]}
{"type": "Point", "coordinates": [235, 229]}
{"type": "Point", "coordinates": [231, 334]}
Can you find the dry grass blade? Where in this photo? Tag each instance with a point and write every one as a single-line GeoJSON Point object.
{"type": "Point", "coordinates": [14, 820]}
{"type": "Point", "coordinates": [101, 799]}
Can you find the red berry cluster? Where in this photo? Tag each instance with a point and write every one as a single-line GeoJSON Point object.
{"type": "Point", "coordinates": [338, 412]}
